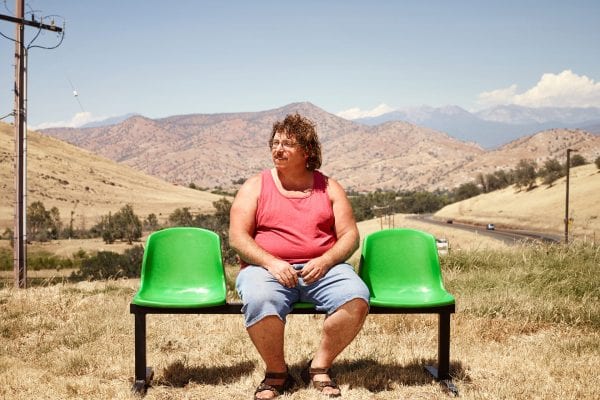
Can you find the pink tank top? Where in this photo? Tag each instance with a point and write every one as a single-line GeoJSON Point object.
{"type": "Point", "coordinates": [294, 229]}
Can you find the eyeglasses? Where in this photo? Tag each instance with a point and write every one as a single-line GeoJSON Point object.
{"type": "Point", "coordinates": [287, 144]}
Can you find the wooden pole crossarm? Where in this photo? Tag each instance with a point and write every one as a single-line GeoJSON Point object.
{"type": "Point", "coordinates": [33, 23]}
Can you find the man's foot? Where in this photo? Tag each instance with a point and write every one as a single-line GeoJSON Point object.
{"type": "Point", "coordinates": [320, 379]}
{"type": "Point", "coordinates": [274, 385]}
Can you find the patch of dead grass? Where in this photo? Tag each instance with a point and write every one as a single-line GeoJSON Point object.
{"type": "Point", "coordinates": [76, 341]}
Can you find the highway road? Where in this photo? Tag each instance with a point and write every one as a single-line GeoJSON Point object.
{"type": "Point", "coordinates": [508, 236]}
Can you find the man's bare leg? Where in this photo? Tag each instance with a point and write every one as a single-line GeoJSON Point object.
{"type": "Point", "coordinates": [339, 329]}
{"type": "Point", "coordinates": [268, 337]}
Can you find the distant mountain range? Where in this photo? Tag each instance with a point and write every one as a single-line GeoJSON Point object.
{"type": "Point", "coordinates": [109, 121]}
{"type": "Point", "coordinates": [218, 150]}
{"type": "Point", "coordinates": [495, 126]}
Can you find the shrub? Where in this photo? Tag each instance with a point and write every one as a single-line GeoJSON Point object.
{"type": "Point", "coordinates": [6, 260]}
{"type": "Point", "coordinates": [577, 160]}
{"type": "Point", "coordinates": [42, 225]}
{"type": "Point", "coordinates": [123, 225]}
{"type": "Point", "coordinates": [111, 265]}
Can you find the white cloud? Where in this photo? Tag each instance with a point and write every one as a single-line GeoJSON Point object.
{"type": "Point", "coordinates": [78, 120]}
{"type": "Point", "coordinates": [566, 89]}
{"type": "Point", "coordinates": [355, 113]}
{"type": "Point", "coordinates": [498, 96]}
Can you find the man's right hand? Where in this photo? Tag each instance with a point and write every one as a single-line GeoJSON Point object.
{"type": "Point", "coordinates": [284, 273]}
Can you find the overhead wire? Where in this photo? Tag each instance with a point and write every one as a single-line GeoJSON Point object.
{"type": "Point", "coordinates": [62, 33]}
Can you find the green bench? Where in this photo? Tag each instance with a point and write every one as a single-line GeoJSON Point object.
{"type": "Point", "coordinates": [182, 273]}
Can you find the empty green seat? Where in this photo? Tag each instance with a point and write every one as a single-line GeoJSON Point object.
{"type": "Point", "coordinates": [182, 267]}
{"type": "Point", "coordinates": [402, 269]}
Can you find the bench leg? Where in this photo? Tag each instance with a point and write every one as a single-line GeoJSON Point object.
{"type": "Point", "coordinates": [143, 375]}
{"type": "Point", "coordinates": [442, 372]}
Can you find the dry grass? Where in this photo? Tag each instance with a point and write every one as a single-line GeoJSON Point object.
{"type": "Point", "coordinates": [515, 336]}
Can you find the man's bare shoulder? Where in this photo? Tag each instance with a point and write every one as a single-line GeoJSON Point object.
{"type": "Point", "coordinates": [334, 188]}
{"type": "Point", "coordinates": [251, 188]}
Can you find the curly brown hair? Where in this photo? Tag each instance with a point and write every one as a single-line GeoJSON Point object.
{"type": "Point", "coordinates": [304, 132]}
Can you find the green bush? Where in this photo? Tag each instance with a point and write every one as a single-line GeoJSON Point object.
{"type": "Point", "coordinates": [44, 260]}
{"type": "Point", "coordinates": [123, 225]}
{"type": "Point", "coordinates": [6, 260]}
{"type": "Point", "coordinates": [111, 265]}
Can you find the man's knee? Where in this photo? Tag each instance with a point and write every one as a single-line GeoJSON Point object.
{"type": "Point", "coordinates": [357, 307]}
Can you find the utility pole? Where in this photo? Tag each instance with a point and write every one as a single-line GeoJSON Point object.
{"type": "Point", "coordinates": [20, 232]}
{"type": "Point", "coordinates": [567, 220]}
{"type": "Point", "coordinates": [20, 115]}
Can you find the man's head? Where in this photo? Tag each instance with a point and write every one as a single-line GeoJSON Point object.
{"type": "Point", "coordinates": [301, 132]}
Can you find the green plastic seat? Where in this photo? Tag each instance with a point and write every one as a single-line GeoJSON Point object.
{"type": "Point", "coordinates": [402, 269]}
{"type": "Point", "coordinates": [182, 267]}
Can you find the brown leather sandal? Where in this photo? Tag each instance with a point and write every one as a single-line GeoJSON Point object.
{"type": "Point", "coordinates": [278, 390]}
{"type": "Point", "coordinates": [309, 373]}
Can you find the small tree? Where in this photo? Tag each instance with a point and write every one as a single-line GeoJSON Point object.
{"type": "Point", "coordinates": [107, 228]}
{"type": "Point", "coordinates": [577, 160]}
{"type": "Point", "coordinates": [552, 171]}
{"type": "Point", "coordinates": [525, 174]}
{"type": "Point", "coordinates": [110, 265]}
{"type": "Point", "coordinates": [127, 225]}
{"type": "Point", "coordinates": [466, 190]}
{"type": "Point", "coordinates": [42, 225]}
{"type": "Point", "coordinates": [181, 217]}
{"type": "Point", "coordinates": [151, 222]}
{"type": "Point", "coordinates": [123, 225]}
{"type": "Point", "coordinates": [9, 234]}
{"type": "Point", "coordinates": [597, 162]}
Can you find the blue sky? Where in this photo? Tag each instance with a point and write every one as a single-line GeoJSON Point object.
{"type": "Point", "coordinates": [162, 58]}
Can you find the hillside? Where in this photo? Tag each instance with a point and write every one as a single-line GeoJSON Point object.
{"type": "Point", "coordinates": [215, 150]}
{"type": "Point", "coordinates": [538, 147]}
{"type": "Point", "coordinates": [218, 149]}
{"type": "Point", "coordinates": [542, 208]}
{"type": "Point", "coordinates": [75, 180]}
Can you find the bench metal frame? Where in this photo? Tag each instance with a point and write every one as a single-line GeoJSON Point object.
{"type": "Point", "coordinates": [144, 374]}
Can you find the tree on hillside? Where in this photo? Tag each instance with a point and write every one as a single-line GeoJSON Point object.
{"type": "Point", "coordinates": [151, 222]}
{"type": "Point", "coordinates": [465, 191]}
{"type": "Point", "coordinates": [423, 202]}
{"type": "Point", "coordinates": [482, 182]}
{"type": "Point", "coordinates": [577, 160]}
{"type": "Point", "coordinates": [105, 228]}
{"type": "Point", "coordinates": [597, 162]}
{"type": "Point", "coordinates": [128, 225]}
{"type": "Point", "coordinates": [123, 225]}
{"type": "Point", "coordinates": [9, 235]}
{"type": "Point", "coordinates": [498, 180]}
{"type": "Point", "coordinates": [42, 225]}
{"type": "Point", "coordinates": [525, 174]}
{"type": "Point", "coordinates": [551, 171]}
{"type": "Point", "coordinates": [181, 217]}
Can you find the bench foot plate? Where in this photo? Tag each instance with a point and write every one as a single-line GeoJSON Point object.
{"type": "Point", "coordinates": [446, 383]}
{"type": "Point", "coordinates": [140, 386]}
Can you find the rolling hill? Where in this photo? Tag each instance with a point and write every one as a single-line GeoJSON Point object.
{"type": "Point", "coordinates": [216, 150]}
{"type": "Point", "coordinates": [79, 182]}
{"type": "Point", "coordinates": [541, 209]}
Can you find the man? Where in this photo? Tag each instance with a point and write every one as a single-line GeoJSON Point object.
{"type": "Point", "coordinates": [293, 229]}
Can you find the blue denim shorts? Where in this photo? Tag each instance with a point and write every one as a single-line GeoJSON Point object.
{"type": "Point", "coordinates": [262, 295]}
